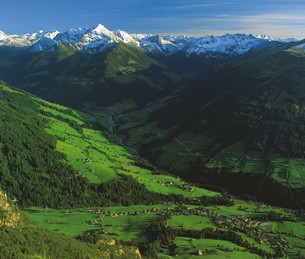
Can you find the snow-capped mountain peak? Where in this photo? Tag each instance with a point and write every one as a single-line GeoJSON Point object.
{"type": "Point", "coordinates": [3, 36]}
{"type": "Point", "coordinates": [101, 29]}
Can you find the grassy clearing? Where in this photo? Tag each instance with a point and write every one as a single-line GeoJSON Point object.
{"type": "Point", "coordinates": [122, 223]}
{"type": "Point", "coordinates": [210, 249]}
{"type": "Point", "coordinates": [296, 229]}
{"type": "Point", "coordinates": [288, 170]}
{"type": "Point", "coordinates": [239, 158]}
{"type": "Point", "coordinates": [190, 222]}
{"type": "Point", "coordinates": [70, 223]}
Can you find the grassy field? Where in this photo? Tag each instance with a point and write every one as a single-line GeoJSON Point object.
{"type": "Point", "coordinates": [210, 249]}
{"type": "Point", "coordinates": [288, 170]}
{"type": "Point", "coordinates": [238, 157]}
{"type": "Point", "coordinates": [122, 223]}
{"type": "Point", "coordinates": [190, 222]}
{"type": "Point", "coordinates": [70, 223]}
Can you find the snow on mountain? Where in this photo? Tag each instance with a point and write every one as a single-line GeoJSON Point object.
{"type": "Point", "coordinates": [25, 40]}
{"type": "Point", "coordinates": [139, 36]}
{"type": "Point", "coordinates": [71, 36]}
{"type": "Point", "coordinates": [158, 45]}
{"type": "Point", "coordinates": [3, 36]}
{"type": "Point", "coordinates": [102, 30]}
{"type": "Point", "coordinates": [266, 37]}
{"type": "Point", "coordinates": [125, 37]}
{"type": "Point", "coordinates": [45, 43]}
{"type": "Point", "coordinates": [40, 34]}
{"type": "Point", "coordinates": [229, 45]}
{"type": "Point", "coordinates": [13, 40]}
{"type": "Point", "coordinates": [179, 41]}
{"type": "Point", "coordinates": [99, 39]}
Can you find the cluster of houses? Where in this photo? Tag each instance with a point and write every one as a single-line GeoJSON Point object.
{"type": "Point", "coordinates": [182, 186]}
{"type": "Point", "coordinates": [88, 160]}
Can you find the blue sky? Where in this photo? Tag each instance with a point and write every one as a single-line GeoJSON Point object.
{"type": "Point", "coordinates": [189, 17]}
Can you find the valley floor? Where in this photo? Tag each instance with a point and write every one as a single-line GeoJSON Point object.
{"type": "Point", "coordinates": [244, 230]}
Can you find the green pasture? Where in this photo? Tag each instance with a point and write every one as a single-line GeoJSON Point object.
{"type": "Point", "coordinates": [188, 248]}
{"type": "Point", "coordinates": [191, 222]}
{"type": "Point", "coordinates": [296, 229]}
{"type": "Point", "coordinates": [288, 170]}
{"type": "Point", "coordinates": [238, 158]}
{"type": "Point", "coordinates": [74, 222]}
{"type": "Point", "coordinates": [70, 223]}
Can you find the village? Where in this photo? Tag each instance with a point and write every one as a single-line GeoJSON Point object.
{"type": "Point", "coordinates": [237, 223]}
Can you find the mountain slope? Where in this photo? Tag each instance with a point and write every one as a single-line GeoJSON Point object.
{"type": "Point", "coordinates": [247, 116]}
{"type": "Point", "coordinates": [102, 79]}
{"type": "Point", "coordinates": [31, 169]}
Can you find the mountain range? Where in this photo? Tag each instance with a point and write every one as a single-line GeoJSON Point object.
{"type": "Point", "coordinates": [99, 39]}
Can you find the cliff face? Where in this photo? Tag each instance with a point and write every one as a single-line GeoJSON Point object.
{"type": "Point", "coordinates": [9, 215]}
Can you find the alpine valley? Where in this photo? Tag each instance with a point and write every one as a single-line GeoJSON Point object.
{"type": "Point", "coordinates": [118, 145]}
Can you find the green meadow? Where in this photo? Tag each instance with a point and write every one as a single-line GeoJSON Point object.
{"type": "Point", "coordinates": [209, 248]}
